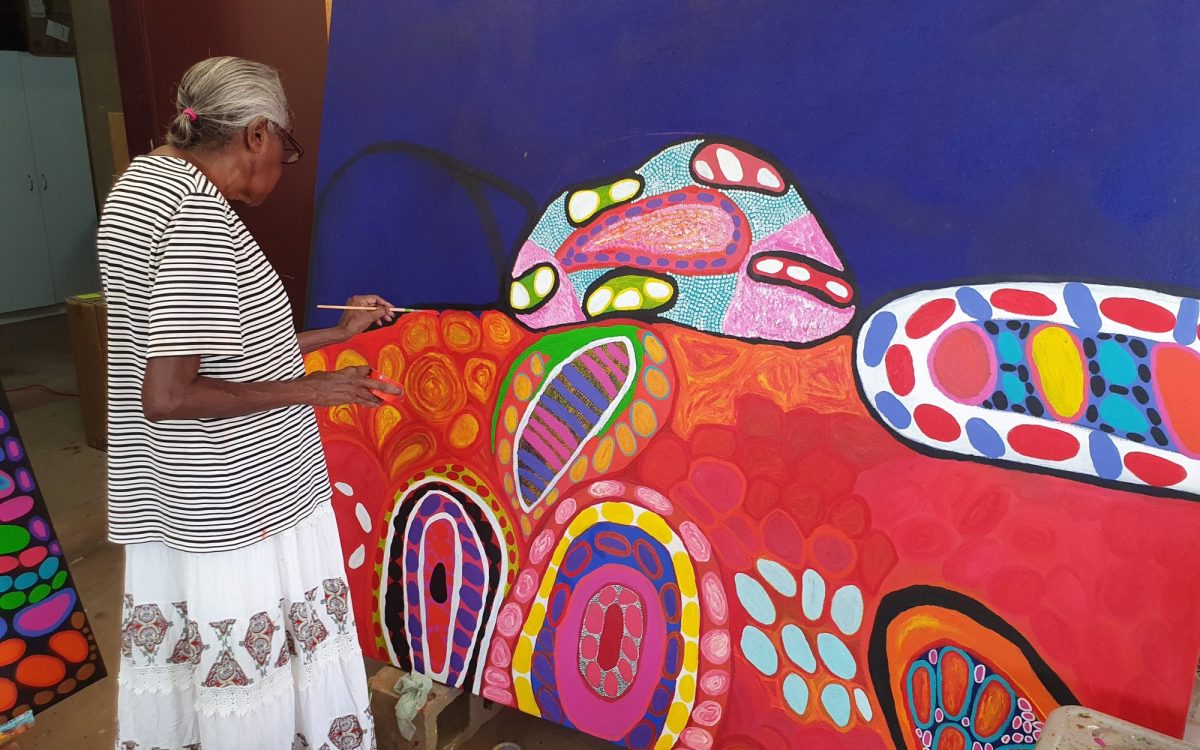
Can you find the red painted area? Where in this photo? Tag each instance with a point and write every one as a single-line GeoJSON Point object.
{"type": "Point", "coordinates": [769, 454]}
{"type": "Point", "coordinates": [899, 364]}
{"type": "Point", "coordinates": [1155, 470]}
{"type": "Point", "coordinates": [963, 364]}
{"type": "Point", "coordinates": [833, 552]}
{"type": "Point", "coordinates": [804, 276]}
{"type": "Point", "coordinates": [610, 638]}
{"type": "Point", "coordinates": [1046, 443]}
{"type": "Point", "coordinates": [952, 738]}
{"type": "Point", "coordinates": [688, 229]}
{"type": "Point", "coordinates": [1138, 313]}
{"type": "Point", "coordinates": [440, 540]}
{"type": "Point", "coordinates": [929, 317]}
{"type": "Point", "coordinates": [936, 423]}
{"type": "Point", "coordinates": [1023, 302]}
{"type": "Point", "coordinates": [1176, 375]}
{"type": "Point", "coordinates": [922, 693]}
{"type": "Point", "coordinates": [742, 170]}
{"type": "Point", "coordinates": [33, 556]}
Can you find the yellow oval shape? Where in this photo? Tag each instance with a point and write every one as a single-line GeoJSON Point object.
{"type": "Point", "coordinates": [522, 386]}
{"type": "Point", "coordinates": [1060, 371]}
{"type": "Point", "coordinates": [579, 469]}
{"type": "Point", "coordinates": [625, 439]}
{"type": "Point", "coordinates": [510, 419]}
{"type": "Point", "coordinates": [644, 421]}
{"type": "Point", "coordinates": [349, 358]}
{"type": "Point", "coordinates": [386, 418]}
{"type": "Point", "coordinates": [315, 362]}
{"type": "Point", "coordinates": [391, 361]}
{"type": "Point", "coordinates": [464, 431]}
{"type": "Point", "coordinates": [343, 414]}
{"type": "Point", "coordinates": [656, 383]}
{"type": "Point", "coordinates": [654, 348]}
{"type": "Point", "coordinates": [602, 458]}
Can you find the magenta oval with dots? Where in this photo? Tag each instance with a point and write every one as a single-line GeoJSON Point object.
{"type": "Point", "coordinates": [39, 529]}
{"type": "Point", "coordinates": [25, 480]}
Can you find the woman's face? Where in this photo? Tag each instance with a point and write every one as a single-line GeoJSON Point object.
{"type": "Point", "coordinates": [263, 162]}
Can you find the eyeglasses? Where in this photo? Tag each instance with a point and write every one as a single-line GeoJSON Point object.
{"type": "Point", "coordinates": [292, 151]}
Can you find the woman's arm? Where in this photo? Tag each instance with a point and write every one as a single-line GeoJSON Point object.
{"type": "Point", "coordinates": [312, 340]}
{"type": "Point", "coordinates": [352, 322]}
{"type": "Point", "coordinates": [174, 389]}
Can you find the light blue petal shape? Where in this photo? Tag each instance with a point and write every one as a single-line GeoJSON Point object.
{"type": "Point", "coordinates": [754, 598]}
{"type": "Point", "coordinates": [846, 608]}
{"type": "Point", "coordinates": [795, 692]}
{"type": "Point", "coordinates": [759, 651]}
{"type": "Point", "coordinates": [795, 645]}
{"type": "Point", "coordinates": [836, 701]}
{"type": "Point", "coordinates": [836, 656]}
{"type": "Point", "coordinates": [778, 576]}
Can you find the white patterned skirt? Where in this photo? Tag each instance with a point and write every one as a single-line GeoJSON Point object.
{"type": "Point", "coordinates": [252, 648]}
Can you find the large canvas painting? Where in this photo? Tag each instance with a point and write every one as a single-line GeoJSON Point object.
{"type": "Point", "coordinates": [47, 649]}
{"type": "Point", "coordinates": [676, 468]}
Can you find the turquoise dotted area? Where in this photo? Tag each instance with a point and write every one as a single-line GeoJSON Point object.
{"type": "Point", "coordinates": [1120, 396]}
{"type": "Point", "coordinates": [669, 170]}
{"type": "Point", "coordinates": [552, 229]}
{"type": "Point", "coordinates": [768, 214]}
{"type": "Point", "coordinates": [702, 301]}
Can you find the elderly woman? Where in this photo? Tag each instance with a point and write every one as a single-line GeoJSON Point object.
{"type": "Point", "coordinates": [238, 630]}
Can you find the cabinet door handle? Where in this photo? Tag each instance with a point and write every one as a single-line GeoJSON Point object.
{"type": "Point", "coordinates": [45, 184]}
{"type": "Point", "coordinates": [29, 179]}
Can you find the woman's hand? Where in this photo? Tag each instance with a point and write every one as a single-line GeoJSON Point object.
{"type": "Point", "coordinates": [354, 322]}
{"type": "Point", "coordinates": [349, 385]}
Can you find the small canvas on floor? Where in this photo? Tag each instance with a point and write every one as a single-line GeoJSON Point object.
{"type": "Point", "coordinates": [47, 649]}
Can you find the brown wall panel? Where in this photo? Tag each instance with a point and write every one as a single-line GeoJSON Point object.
{"type": "Point", "coordinates": [157, 40]}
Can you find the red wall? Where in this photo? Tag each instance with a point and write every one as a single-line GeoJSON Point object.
{"type": "Point", "coordinates": [157, 40]}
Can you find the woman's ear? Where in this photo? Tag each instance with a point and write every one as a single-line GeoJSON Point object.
{"type": "Point", "coordinates": [258, 135]}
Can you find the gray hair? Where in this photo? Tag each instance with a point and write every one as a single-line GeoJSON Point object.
{"type": "Point", "coordinates": [222, 95]}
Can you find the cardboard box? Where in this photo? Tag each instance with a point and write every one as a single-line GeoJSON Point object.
{"type": "Point", "coordinates": [48, 27]}
{"type": "Point", "coordinates": [87, 319]}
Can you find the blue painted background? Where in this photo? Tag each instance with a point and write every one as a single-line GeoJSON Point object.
{"type": "Point", "coordinates": [937, 141]}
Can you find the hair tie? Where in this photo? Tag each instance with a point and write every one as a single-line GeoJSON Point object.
{"type": "Point", "coordinates": [191, 114]}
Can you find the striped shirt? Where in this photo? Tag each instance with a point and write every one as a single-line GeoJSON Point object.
{"type": "Point", "coordinates": [182, 276]}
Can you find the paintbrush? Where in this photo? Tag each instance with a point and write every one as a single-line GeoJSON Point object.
{"type": "Point", "coordinates": [366, 307]}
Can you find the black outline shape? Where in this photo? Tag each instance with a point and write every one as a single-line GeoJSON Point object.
{"type": "Point", "coordinates": [599, 211]}
{"type": "Point", "coordinates": [534, 215]}
{"type": "Point", "coordinates": [847, 274]}
{"type": "Point", "coordinates": [757, 153]}
{"type": "Point", "coordinates": [897, 602]}
{"type": "Point", "coordinates": [942, 453]}
{"type": "Point", "coordinates": [393, 575]}
{"type": "Point", "coordinates": [817, 265]}
{"type": "Point", "coordinates": [507, 306]}
{"type": "Point", "coordinates": [472, 180]}
{"type": "Point", "coordinates": [650, 315]}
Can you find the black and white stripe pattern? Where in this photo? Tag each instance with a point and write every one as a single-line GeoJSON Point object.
{"type": "Point", "coordinates": [182, 276]}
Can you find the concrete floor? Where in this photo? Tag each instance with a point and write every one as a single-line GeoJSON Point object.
{"type": "Point", "coordinates": [71, 475]}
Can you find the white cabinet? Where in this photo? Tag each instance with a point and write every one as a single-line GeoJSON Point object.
{"type": "Point", "coordinates": [47, 207]}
